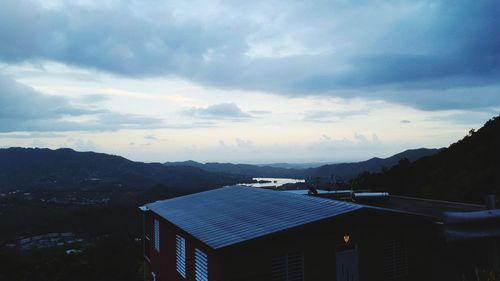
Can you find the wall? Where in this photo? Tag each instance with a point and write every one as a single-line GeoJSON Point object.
{"type": "Point", "coordinates": [319, 242]}
{"type": "Point", "coordinates": [163, 263]}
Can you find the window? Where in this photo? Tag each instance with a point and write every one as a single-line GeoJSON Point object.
{"type": "Point", "coordinates": [288, 268]}
{"type": "Point", "coordinates": [157, 235]}
{"type": "Point", "coordinates": [180, 250]}
{"type": "Point", "coordinates": [200, 266]}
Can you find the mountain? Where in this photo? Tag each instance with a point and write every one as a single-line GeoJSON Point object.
{"type": "Point", "coordinates": [34, 168]}
{"type": "Point", "coordinates": [296, 165]}
{"type": "Point", "coordinates": [346, 171]}
{"type": "Point", "coordinates": [325, 173]}
{"type": "Point", "coordinates": [245, 170]}
{"type": "Point", "coordinates": [465, 171]}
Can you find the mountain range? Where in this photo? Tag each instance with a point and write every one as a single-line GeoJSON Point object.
{"type": "Point", "coordinates": [41, 168]}
{"type": "Point", "coordinates": [328, 173]}
{"type": "Point", "coordinates": [35, 168]}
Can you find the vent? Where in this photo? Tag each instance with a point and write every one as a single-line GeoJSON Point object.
{"type": "Point", "coordinates": [288, 268]}
{"type": "Point", "coordinates": [180, 251]}
{"type": "Point", "coordinates": [200, 266]}
{"type": "Point", "coordinates": [157, 235]}
{"type": "Point", "coordinates": [395, 260]}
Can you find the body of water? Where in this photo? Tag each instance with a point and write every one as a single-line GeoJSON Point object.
{"type": "Point", "coordinates": [274, 182]}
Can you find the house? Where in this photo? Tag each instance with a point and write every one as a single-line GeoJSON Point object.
{"type": "Point", "coordinates": [240, 233]}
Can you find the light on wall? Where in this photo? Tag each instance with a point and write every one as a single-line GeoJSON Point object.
{"type": "Point", "coordinates": [347, 238]}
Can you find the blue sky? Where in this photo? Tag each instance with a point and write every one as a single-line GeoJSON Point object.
{"type": "Point", "coordinates": [247, 81]}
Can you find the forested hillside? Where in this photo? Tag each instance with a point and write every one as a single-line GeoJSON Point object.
{"type": "Point", "coordinates": [465, 171]}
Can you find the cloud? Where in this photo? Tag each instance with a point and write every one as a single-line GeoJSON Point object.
{"type": "Point", "coordinates": [19, 102]}
{"type": "Point", "coordinates": [358, 146]}
{"type": "Point", "coordinates": [23, 109]}
{"type": "Point", "coordinates": [298, 49]}
{"type": "Point", "coordinates": [260, 112]}
{"type": "Point", "coordinates": [227, 111]}
{"type": "Point", "coordinates": [326, 148]}
{"type": "Point", "coordinates": [470, 118]}
{"type": "Point", "coordinates": [93, 98]}
{"type": "Point", "coordinates": [33, 135]}
{"type": "Point", "coordinates": [82, 145]}
{"type": "Point", "coordinates": [245, 144]}
{"type": "Point", "coordinates": [114, 120]}
{"type": "Point", "coordinates": [331, 116]}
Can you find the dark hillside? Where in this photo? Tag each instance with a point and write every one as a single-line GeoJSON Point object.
{"type": "Point", "coordinates": [465, 171]}
{"type": "Point", "coordinates": [348, 171]}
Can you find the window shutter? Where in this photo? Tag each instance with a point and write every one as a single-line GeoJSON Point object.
{"type": "Point", "coordinates": [157, 235]}
{"type": "Point", "coordinates": [395, 259]}
{"type": "Point", "coordinates": [200, 266]}
{"type": "Point", "coordinates": [180, 251]}
{"type": "Point", "coordinates": [278, 266]}
{"type": "Point", "coordinates": [288, 268]}
{"type": "Point", "coordinates": [295, 267]}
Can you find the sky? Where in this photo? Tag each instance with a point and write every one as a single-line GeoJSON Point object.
{"type": "Point", "coordinates": [247, 81]}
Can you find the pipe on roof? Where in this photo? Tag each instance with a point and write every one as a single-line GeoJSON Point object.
{"type": "Point", "coordinates": [370, 197]}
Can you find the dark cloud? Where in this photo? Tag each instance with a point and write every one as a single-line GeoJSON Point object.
{"type": "Point", "coordinates": [219, 111]}
{"type": "Point", "coordinates": [377, 49]}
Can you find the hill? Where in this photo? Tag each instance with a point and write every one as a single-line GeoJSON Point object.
{"type": "Point", "coordinates": [34, 168]}
{"type": "Point", "coordinates": [346, 171]}
{"type": "Point", "coordinates": [246, 170]}
{"type": "Point", "coordinates": [465, 171]}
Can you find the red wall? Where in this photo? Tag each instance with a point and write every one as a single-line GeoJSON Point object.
{"type": "Point", "coordinates": [163, 263]}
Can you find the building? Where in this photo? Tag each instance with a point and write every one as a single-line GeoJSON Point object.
{"type": "Point", "coordinates": [241, 233]}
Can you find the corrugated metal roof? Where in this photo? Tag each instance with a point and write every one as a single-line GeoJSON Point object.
{"type": "Point", "coordinates": [229, 215]}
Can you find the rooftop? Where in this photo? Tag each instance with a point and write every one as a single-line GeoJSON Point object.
{"type": "Point", "coordinates": [425, 207]}
{"type": "Point", "coordinates": [402, 204]}
{"type": "Point", "coordinates": [233, 214]}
